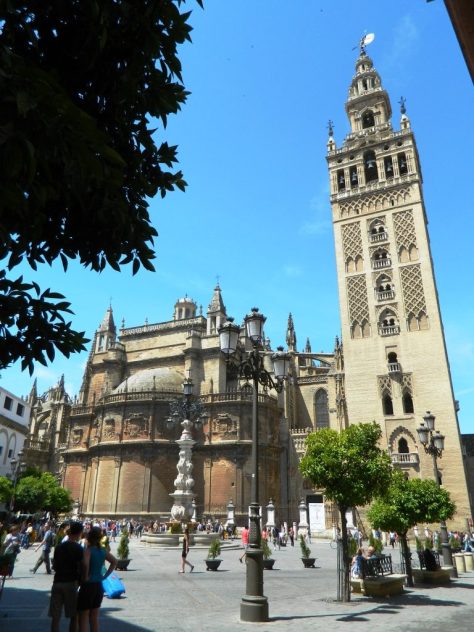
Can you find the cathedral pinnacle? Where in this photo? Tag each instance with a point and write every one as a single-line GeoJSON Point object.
{"type": "Point", "coordinates": [290, 334]}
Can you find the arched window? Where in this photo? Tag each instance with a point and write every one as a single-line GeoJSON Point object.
{"type": "Point", "coordinates": [368, 119]}
{"type": "Point", "coordinates": [392, 357]}
{"type": "Point", "coordinates": [321, 409]}
{"type": "Point", "coordinates": [407, 403]}
{"type": "Point", "coordinates": [403, 446]}
{"type": "Point", "coordinates": [388, 164]}
{"type": "Point", "coordinates": [402, 164]}
{"type": "Point", "coordinates": [341, 180]}
{"type": "Point", "coordinates": [246, 391]}
{"type": "Point", "coordinates": [353, 176]}
{"type": "Point", "coordinates": [387, 404]}
{"type": "Point", "coordinates": [370, 166]}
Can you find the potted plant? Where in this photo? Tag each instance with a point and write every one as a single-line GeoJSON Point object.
{"type": "Point", "coordinates": [123, 551]}
{"type": "Point", "coordinates": [306, 552]}
{"type": "Point", "coordinates": [268, 561]}
{"type": "Point", "coordinates": [212, 561]}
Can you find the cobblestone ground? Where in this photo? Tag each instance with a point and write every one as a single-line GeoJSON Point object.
{"type": "Point", "coordinates": [158, 598]}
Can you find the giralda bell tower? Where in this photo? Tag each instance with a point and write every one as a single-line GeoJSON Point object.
{"type": "Point", "coordinates": [395, 361]}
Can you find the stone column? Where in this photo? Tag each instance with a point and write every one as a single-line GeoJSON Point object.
{"type": "Point", "coordinates": [303, 526]}
{"type": "Point", "coordinates": [184, 482]}
{"type": "Point", "coordinates": [270, 515]}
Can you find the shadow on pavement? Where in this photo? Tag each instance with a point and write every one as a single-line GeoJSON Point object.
{"type": "Point", "coordinates": [23, 610]}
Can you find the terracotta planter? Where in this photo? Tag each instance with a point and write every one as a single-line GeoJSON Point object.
{"type": "Point", "coordinates": [308, 562]}
{"type": "Point", "coordinates": [212, 565]}
{"type": "Point", "coordinates": [122, 565]}
{"type": "Point", "coordinates": [268, 564]}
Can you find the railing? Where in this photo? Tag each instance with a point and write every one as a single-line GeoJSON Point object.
{"type": "Point", "coordinates": [386, 295]}
{"type": "Point", "coordinates": [198, 321]}
{"type": "Point", "coordinates": [389, 331]}
{"type": "Point", "coordinates": [82, 410]}
{"type": "Point", "coordinates": [376, 237]}
{"type": "Point", "coordinates": [394, 367]}
{"type": "Point", "coordinates": [381, 263]}
{"type": "Point", "coordinates": [404, 458]}
{"type": "Point", "coordinates": [235, 396]}
{"type": "Point", "coordinates": [38, 444]}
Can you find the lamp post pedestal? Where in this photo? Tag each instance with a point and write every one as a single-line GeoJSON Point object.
{"type": "Point", "coordinates": [448, 561]}
{"type": "Point", "coordinates": [254, 604]}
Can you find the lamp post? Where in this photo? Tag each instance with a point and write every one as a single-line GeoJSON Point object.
{"type": "Point", "coordinates": [250, 366]}
{"type": "Point", "coordinates": [190, 410]}
{"type": "Point", "coordinates": [16, 467]}
{"type": "Point", "coordinates": [433, 442]}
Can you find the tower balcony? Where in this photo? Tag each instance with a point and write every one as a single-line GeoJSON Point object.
{"type": "Point", "coordinates": [386, 295]}
{"type": "Point", "coordinates": [377, 264]}
{"type": "Point", "coordinates": [378, 237]}
{"type": "Point", "coordinates": [391, 330]}
{"type": "Point", "coordinates": [394, 367]}
{"type": "Point", "coordinates": [404, 458]}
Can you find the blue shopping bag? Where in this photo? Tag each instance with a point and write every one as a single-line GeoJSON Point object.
{"type": "Point", "coordinates": [113, 586]}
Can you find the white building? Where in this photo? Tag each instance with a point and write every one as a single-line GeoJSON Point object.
{"type": "Point", "coordinates": [14, 419]}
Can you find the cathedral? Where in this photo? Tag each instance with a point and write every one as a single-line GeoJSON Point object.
{"type": "Point", "coordinates": [113, 445]}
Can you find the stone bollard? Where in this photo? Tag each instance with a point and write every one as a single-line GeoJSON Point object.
{"type": "Point", "coordinates": [468, 561]}
{"type": "Point", "coordinates": [459, 562]}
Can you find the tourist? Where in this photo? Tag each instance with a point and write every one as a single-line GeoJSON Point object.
{"type": "Point", "coordinates": [67, 564]}
{"type": "Point", "coordinates": [91, 591]}
{"type": "Point", "coordinates": [185, 552]}
{"type": "Point", "coordinates": [356, 566]}
{"type": "Point", "coordinates": [291, 535]}
{"type": "Point", "coordinates": [392, 538]}
{"type": "Point", "coordinates": [46, 545]}
{"type": "Point", "coordinates": [245, 542]}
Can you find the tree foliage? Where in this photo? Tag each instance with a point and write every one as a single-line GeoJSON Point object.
{"type": "Point", "coordinates": [6, 489]}
{"type": "Point", "coordinates": [351, 469]}
{"type": "Point", "coordinates": [349, 466]}
{"type": "Point", "coordinates": [83, 86]}
{"type": "Point", "coordinates": [406, 503]}
{"type": "Point", "coordinates": [40, 491]}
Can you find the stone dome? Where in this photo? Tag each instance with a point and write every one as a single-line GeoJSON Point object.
{"type": "Point", "coordinates": [161, 378]}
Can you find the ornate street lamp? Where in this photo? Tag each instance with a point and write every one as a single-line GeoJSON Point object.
{"type": "Point", "coordinates": [250, 366]}
{"type": "Point", "coordinates": [16, 467]}
{"type": "Point", "coordinates": [433, 443]}
{"type": "Point", "coordinates": [191, 411]}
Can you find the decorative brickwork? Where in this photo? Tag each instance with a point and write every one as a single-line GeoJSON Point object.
{"type": "Point", "coordinates": [405, 234]}
{"type": "Point", "coordinates": [373, 203]}
{"type": "Point", "coordinates": [357, 299]}
{"type": "Point", "coordinates": [412, 286]}
{"type": "Point", "coordinates": [352, 240]}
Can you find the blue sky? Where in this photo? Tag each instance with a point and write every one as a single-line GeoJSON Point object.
{"type": "Point", "coordinates": [265, 77]}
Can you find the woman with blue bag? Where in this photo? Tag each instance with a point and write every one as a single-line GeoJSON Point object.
{"type": "Point", "coordinates": [91, 591]}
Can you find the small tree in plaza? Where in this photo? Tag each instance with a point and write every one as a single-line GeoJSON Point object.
{"type": "Point", "coordinates": [351, 469]}
{"type": "Point", "coordinates": [406, 503]}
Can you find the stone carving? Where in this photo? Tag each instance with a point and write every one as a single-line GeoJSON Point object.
{"type": "Point", "coordinates": [225, 426]}
{"type": "Point", "coordinates": [136, 425]}
{"type": "Point", "coordinates": [109, 428]}
{"type": "Point", "coordinates": [77, 434]}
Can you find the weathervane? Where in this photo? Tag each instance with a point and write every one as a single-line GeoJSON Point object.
{"type": "Point", "coordinates": [402, 105]}
{"type": "Point", "coordinates": [364, 41]}
{"type": "Point", "coordinates": [331, 128]}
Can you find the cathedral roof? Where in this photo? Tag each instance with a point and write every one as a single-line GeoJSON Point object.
{"type": "Point", "coordinates": [160, 378]}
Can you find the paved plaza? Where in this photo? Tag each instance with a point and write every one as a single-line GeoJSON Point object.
{"type": "Point", "coordinates": [159, 598]}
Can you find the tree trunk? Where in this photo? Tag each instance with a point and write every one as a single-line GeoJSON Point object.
{"type": "Point", "coordinates": [407, 557]}
{"type": "Point", "coordinates": [346, 562]}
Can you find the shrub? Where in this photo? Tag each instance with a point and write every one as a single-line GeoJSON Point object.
{"type": "Point", "coordinates": [214, 550]}
{"type": "Point", "coordinates": [428, 544]}
{"type": "Point", "coordinates": [122, 550]}
{"type": "Point", "coordinates": [419, 546]}
{"type": "Point", "coordinates": [267, 553]}
{"type": "Point", "coordinates": [175, 527]}
{"type": "Point", "coordinates": [305, 550]}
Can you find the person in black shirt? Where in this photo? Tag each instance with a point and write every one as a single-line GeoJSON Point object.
{"type": "Point", "coordinates": [67, 565]}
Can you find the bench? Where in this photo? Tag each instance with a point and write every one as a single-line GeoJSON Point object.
{"type": "Point", "coordinates": [433, 576]}
{"type": "Point", "coordinates": [378, 578]}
